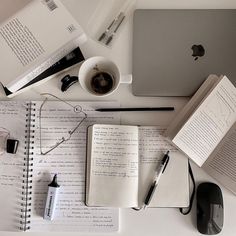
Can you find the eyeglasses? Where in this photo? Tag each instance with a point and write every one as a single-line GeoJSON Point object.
{"type": "Point", "coordinates": [76, 109]}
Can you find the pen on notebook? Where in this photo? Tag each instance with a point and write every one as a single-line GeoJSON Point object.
{"type": "Point", "coordinates": [159, 171]}
{"type": "Point", "coordinates": [135, 109]}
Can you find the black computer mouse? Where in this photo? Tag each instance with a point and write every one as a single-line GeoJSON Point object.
{"type": "Point", "coordinates": [210, 212]}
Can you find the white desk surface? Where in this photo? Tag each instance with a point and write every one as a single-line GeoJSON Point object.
{"type": "Point", "coordinates": [157, 221]}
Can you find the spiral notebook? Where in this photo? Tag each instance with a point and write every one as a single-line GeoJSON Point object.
{"type": "Point", "coordinates": [24, 176]}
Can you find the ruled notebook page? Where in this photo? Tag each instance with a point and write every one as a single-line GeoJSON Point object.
{"type": "Point", "coordinates": [13, 119]}
{"type": "Point", "coordinates": [68, 160]}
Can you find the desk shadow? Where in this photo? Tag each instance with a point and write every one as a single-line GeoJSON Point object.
{"type": "Point", "coordinates": [194, 211]}
{"type": "Point", "coordinates": [40, 190]}
{"type": "Point", "coordinates": [10, 7]}
{"type": "Point", "coordinates": [191, 218]}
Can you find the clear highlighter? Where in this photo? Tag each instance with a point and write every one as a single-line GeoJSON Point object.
{"type": "Point", "coordinates": [53, 189]}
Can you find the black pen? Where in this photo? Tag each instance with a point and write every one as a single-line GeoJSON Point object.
{"type": "Point", "coordinates": [135, 109]}
{"type": "Point", "coordinates": [160, 170]}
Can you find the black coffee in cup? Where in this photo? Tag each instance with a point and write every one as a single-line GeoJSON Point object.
{"type": "Point", "coordinates": [102, 82]}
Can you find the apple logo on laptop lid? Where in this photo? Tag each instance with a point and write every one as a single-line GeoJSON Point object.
{"type": "Point", "coordinates": [198, 51]}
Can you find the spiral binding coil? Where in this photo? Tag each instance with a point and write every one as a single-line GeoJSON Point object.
{"type": "Point", "coordinates": [27, 169]}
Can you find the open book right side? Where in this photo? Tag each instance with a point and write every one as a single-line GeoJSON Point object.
{"type": "Point", "coordinates": [205, 130]}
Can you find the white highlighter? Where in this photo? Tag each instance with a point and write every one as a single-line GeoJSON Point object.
{"type": "Point", "coordinates": [53, 189]}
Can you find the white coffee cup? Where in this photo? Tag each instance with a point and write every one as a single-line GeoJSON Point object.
{"type": "Point", "coordinates": [94, 65]}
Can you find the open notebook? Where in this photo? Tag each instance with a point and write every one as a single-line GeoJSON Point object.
{"type": "Point", "coordinates": [25, 175]}
{"type": "Point", "coordinates": [122, 162]}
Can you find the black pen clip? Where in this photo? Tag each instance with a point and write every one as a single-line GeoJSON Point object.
{"type": "Point", "coordinates": [165, 161]}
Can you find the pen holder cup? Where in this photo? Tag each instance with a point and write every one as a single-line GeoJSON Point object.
{"type": "Point", "coordinates": [101, 77]}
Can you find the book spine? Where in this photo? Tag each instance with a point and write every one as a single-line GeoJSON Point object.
{"type": "Point", "coordinates": [67, 62]}
{"type": "Point", "coordinates": [27, 168]}
{"type": "Point", "coordinates": [29, 75]}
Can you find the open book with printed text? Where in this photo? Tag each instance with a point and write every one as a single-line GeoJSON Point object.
{"type": "Point", "coordinates": [205, 130]}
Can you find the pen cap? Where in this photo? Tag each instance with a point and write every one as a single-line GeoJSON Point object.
{"type": "Point", "coordinates": [165, 160]}
{"type": "Point", "coordinates": [107, 20]}
{"type": "Point", "coordinates": [12, 145]}
{"type": "Point", "coordinates": [166, 157]}
{"type": "Point", "coordinates": [54, 182]}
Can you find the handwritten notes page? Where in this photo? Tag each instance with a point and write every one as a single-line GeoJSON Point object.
{"type": "Point", "coordinates": [68, 162]}
{"type": "Point", "coordinates": [12, 120]}
{"type": "Point", "coordinates": [113, 171]}
{"type": "Point", "coordinates": [122, 161]}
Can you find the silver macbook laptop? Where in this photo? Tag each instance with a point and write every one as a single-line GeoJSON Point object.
{"type": "Point", "coordinates": [174, 51]}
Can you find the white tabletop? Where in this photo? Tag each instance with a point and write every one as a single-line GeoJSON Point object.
{"type": "Point", "coordinates": [159, 221]}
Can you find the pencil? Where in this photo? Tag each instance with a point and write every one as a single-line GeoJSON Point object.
{"type": "Point", "coordinates": [135, 109]}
